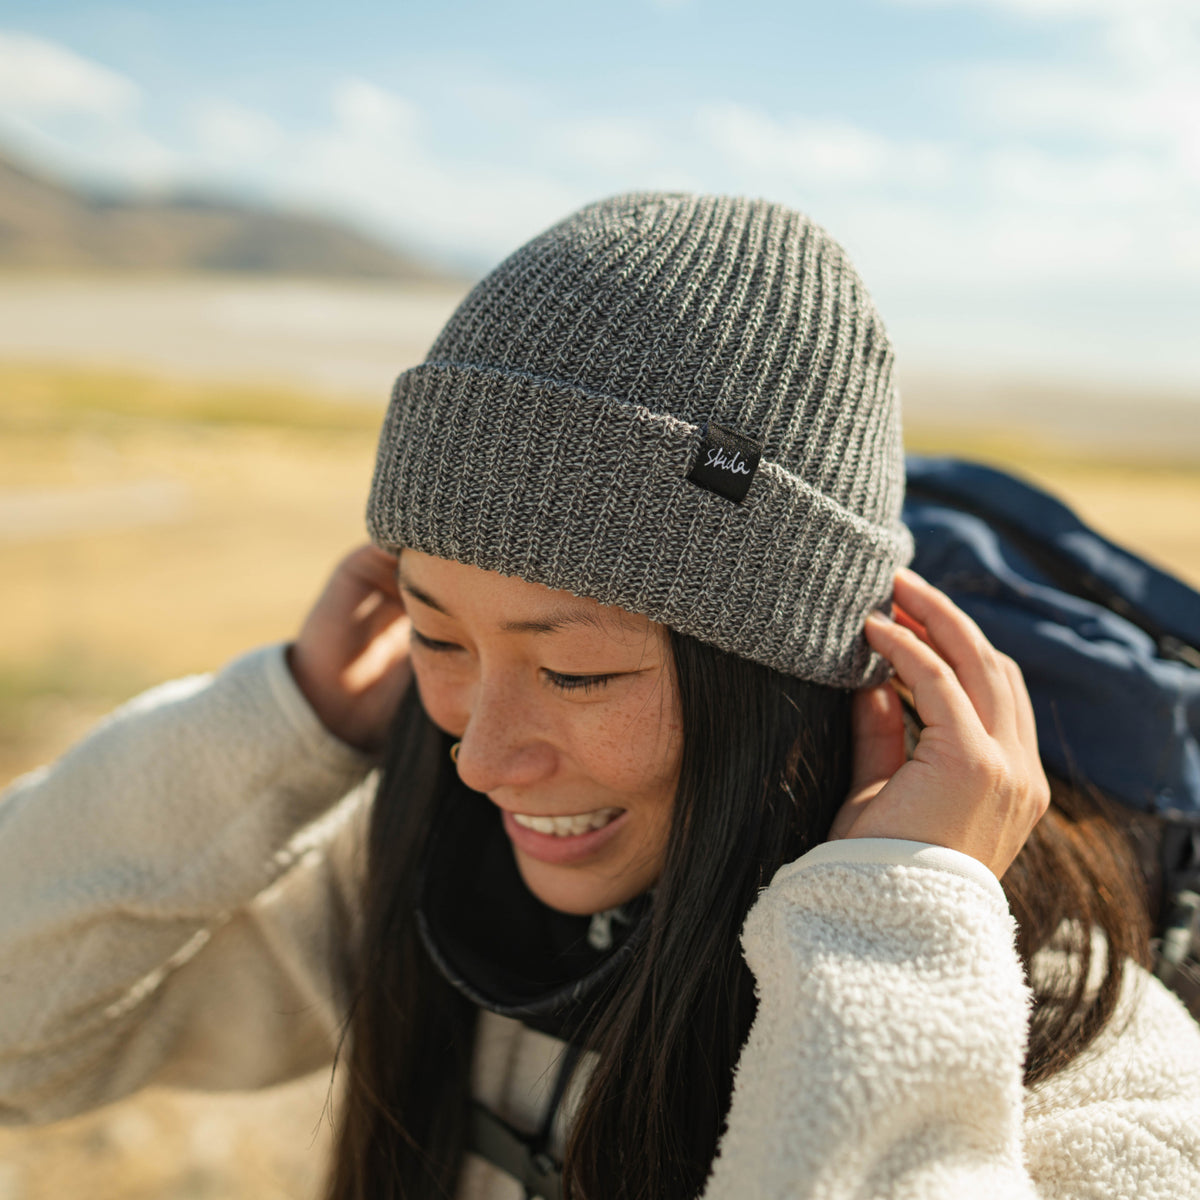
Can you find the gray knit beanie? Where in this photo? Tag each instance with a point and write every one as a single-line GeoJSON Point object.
{"type": "Point", "coordinates": [681, 405]}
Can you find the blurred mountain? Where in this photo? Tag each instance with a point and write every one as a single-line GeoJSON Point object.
{"type": "Point", "coordinates": [46, 223]}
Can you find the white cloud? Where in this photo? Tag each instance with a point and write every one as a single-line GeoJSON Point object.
{"type": "Point", "coordinates": [374, 160]}
{"type": "Point", "coordinates": [1020, 253]}
{"type": "Point", "coordinates": [1026, 175]}
{"type": "Point", "coordinates": [810, 152]}
{"type": "Point", "coordinates": [113, 154]}
{"type": "Point", "coordinates": [367, 110]}
{"type": "Point", "coordinates": [604, 143]}
{"type": "Point", "coordinates": [78, 115]}
{"type": "Point", "coordinates": [378, 162]}
{"type": "Point", "coordinates": [232, 132]}
{"type": "Point", "coordinates": [1148, 98]}
{"type": "Point", "coordinates": [1137, 80]}
{"type": "Point", "coordinates": [42, 77]}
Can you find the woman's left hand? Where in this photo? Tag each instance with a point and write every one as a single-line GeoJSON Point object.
{"type": "Point", "coordinates": [975, 782]}
{"type": "Point", "coordinates": [351, 656]}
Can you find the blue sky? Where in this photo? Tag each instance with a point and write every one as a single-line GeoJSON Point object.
{"type": "Point", "coordinates": [1018, 180]}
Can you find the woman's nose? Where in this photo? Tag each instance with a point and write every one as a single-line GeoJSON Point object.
{"type": "Point", "coordinates": [504, 745]}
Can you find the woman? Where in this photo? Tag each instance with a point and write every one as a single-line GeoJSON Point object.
{"type": "Point", "coordinates": [639, 876]}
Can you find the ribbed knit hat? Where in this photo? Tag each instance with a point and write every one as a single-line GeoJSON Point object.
{"type": "Point", "coordinates": [682, 405]}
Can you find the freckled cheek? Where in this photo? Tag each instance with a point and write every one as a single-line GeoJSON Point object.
{"type": "Point", "coordinates": [443, 701]}
{"type": "Point", "coordinates": [638, 755]}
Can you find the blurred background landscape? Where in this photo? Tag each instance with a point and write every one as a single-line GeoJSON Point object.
{"type": "Point", "coordinates": [222, 235]}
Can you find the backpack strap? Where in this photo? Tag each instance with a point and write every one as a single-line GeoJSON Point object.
{"type": "Point", "coordinates": [514, 1153]}
{"type": "Point", "coordinates": [1178, 949]}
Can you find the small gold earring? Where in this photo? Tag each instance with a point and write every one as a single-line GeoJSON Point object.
{"type": "Point", "coordinates": [454, 752]}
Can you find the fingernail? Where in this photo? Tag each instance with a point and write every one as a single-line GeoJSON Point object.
{"type": "Point", "coordinates": [880, 617]}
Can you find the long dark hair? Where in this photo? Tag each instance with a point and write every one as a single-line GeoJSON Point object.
{"type": "Point", "coordinates": [766, 763]}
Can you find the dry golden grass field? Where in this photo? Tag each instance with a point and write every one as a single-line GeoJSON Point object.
{"type": "Point", "coordinates": [150, 529]}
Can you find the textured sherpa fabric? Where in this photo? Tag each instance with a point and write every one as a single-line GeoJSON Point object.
{"type": "Point", "coordinates": [552, 430]}
{"type": "Point", "coordinates": [178, 904]}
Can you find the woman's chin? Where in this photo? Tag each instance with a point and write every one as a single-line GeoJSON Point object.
{"type": "Point", "coordinates": [576, 889]}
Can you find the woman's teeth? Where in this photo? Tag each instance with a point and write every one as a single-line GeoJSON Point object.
{"type": "Point", "coordinates": [569, 826]}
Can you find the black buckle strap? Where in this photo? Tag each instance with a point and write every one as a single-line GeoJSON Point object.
{"type": "Point", "coordinates": [1178, 964]}
{"type": "Point", "coordinates": [515, 1154]}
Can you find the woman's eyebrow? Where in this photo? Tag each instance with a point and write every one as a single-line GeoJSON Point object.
{"type": "Point", "coordinates": [555, 620]}
{"type": "Point", "coordinates": [424, 597]}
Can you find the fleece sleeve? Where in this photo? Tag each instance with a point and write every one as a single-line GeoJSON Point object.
{"type": "Point", "coordinates": [1123, 1120]}
{"type": "Point", "coordinates": [885, 1059]}
{"type": "Point", "coordinates": [173, 896]}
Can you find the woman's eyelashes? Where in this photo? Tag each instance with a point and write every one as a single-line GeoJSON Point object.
{"type": "Point", "coordinates": [431, 644]}
{"type": "Point", "coordinates": [578, 683]}
{"type": "Point", "coordinates": [566, 683]}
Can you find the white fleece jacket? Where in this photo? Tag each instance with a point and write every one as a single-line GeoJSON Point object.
{"type": "Point", "coordinates": [178, 906]}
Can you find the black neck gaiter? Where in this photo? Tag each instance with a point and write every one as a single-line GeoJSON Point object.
{"type": "Point", "coordinates": [498, 944]}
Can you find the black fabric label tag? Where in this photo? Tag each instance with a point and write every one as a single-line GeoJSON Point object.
{"type": "Point", "coordinates": [726, 462]}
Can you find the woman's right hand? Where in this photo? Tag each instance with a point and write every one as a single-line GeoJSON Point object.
{"type": "Point", "coordinates": [975, 782]}
{"type": "Point", "coordinates": [351, 658]}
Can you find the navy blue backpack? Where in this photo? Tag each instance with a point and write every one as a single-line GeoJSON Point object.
{"type": "Point", "coordinates": [1110, 649]}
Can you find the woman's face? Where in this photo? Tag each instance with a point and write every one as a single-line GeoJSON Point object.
{"type": "Point", "coordinates": [569, 720]}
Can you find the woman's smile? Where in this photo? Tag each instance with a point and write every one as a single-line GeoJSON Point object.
{"type": "Point", "coordinates": [572, 844]}
{"type": "Point", "coordinates": [567, 826]}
